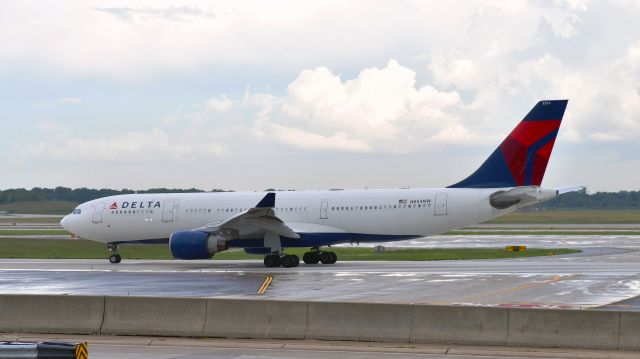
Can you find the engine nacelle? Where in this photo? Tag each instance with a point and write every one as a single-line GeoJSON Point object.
{"type": "Point", "coordinates": [195, 245]}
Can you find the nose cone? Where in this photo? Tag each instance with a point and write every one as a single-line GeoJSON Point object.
{"type": "Point", "coordinates": [65, 223]}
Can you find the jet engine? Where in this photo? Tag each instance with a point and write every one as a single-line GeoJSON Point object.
{"type": "Point", "coordinates": [195, 245]}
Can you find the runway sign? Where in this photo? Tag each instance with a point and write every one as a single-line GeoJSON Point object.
{"type": "Point", "coordinates": [516, 248]}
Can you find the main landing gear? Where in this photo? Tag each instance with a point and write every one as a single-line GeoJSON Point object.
{"type": "Point", "coordinates": [316, 256]}
{"type": "Point", "coordinates": [287, 260]}
{"type": "Point", "coordinates": [114, 257]}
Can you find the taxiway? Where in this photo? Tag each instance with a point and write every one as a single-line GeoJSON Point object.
{"type": "Point", "coordinates": [596, 277]}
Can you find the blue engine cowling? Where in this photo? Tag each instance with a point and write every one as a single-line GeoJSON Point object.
{"type": "Point", "coordinates": [195, 245]}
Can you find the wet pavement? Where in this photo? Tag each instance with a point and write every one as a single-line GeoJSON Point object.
{"type": "Point", "coordinates": [599, 276]}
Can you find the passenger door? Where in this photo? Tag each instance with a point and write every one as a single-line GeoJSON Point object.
{"type": "Point", "coordinates": [168, 211]}
{"type": "Point", "coordinates": [97, 212]}
{"type": "Point", "coordinates": [324, 209]}
{"type": "Point", "coordinates": [441, 205]}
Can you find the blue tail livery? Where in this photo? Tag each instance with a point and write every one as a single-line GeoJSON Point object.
{"type": "Point", "coordinates": [521, 159]}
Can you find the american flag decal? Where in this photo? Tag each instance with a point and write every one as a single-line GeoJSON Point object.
{"type": "Point", "coordinates": [402, 201]}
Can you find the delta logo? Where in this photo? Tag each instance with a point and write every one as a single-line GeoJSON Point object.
{"type": "Point", "coordinates": [136, 205]}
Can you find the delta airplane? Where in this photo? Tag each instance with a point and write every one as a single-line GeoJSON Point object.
{"type": "Point", "coordinates": [198, 225]}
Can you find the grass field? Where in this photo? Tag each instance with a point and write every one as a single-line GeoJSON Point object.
{"type": "Point", "coordinates": [40, 207]}
{"type": "Point", "coordinates": [68, 248]}
{"type": "Point", "coordinates": [47, 220]}
{"type": "Point", "coordinates": [577, 216]}
{"type": "Point", "coordinates": [31, 232]}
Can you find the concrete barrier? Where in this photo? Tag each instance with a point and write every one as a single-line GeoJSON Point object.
{"type": "Point", "coordinates": [461, 325]}
{"type": "Point", "coordinates": [359, 321]}
{"type": "Point", "coordinates": [629, 331]}
{"type": "Point", "coordinates": [51, 314]}
{"type": "Point", "coordinates": [242, 318]}
{"type": "Point", "coordinates": [246, 318]}
{"type": "Point", "coordinates": [592, 329]}
{"type": "Point", "coordinates": [183, 317]}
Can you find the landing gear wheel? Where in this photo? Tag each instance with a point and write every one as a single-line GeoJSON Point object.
{"type": "Point", "coordinates": [311, 258]}
{"type": "Point", "coordinates": [272, 261]}
{"type": "Point", "coordinates": [328, 258]}
{"type": "Point", "coordinates": [115, 258]}
{"type": "Point", "coordinates": [290, 260]}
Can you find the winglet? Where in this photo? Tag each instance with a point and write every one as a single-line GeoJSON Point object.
{"type": "Point", "coordinates": [269, 201]}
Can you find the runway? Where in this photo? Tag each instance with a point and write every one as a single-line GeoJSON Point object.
{"type": "Point", "coordinates": [597, 277]}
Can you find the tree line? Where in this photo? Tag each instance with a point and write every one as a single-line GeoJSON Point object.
{"type": "Point", "coordinates": [77, 195]}
{"type": "Point", "coordinates": [622, 199]}
{"type": "Point", "coordinates": [598, 200]}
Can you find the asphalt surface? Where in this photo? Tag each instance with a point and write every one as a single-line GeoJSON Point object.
{"type": "Point", "coordinates": [597, 277]}
{"type": "Point", "coordinates": [185, 348]}
{"type": "Point", "coordinates": [606, 275]}
{"type": "Point", "coordinates": [577, 241]}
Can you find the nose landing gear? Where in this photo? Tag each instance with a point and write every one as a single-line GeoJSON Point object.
{"type": "Point", "coordinates": [114, 257]}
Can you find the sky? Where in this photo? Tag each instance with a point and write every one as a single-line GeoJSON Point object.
{"type": "Point", "coordinates": [249, 95]}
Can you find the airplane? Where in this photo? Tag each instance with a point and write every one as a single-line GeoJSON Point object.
{"type": "Point", "coordinates": [199, 225]}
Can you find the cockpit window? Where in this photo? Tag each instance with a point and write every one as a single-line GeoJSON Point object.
{"type": "Point", "coordinates": [76, 211]}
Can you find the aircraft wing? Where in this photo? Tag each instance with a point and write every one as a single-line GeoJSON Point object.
{"type": "Point", "coordinates": [527, 195]}
{"type": "Point", "coordinates": [262, 217]}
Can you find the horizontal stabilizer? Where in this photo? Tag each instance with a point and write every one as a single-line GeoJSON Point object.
{"type": "Point", "coordinates": [521, 196]}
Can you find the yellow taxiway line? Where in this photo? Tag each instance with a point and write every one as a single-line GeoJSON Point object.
{"type": "Point", "coordinates": [265, 285]}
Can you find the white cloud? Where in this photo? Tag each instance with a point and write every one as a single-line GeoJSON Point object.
{"type": "Point", "coordinates": [59, 102]}
{"type": "Point", "coordinates": [456, 134]}
{"type": "Point", "coordinates": [138, 43]}
{"type": "Point", "coordinates": [136, 146]}
{"type": "Point", "coordinates": [318, 77]}
{"type": "Point", "coordinates": [147, 14]}
{"type": "Point", "coordinates": [51, 127]}
{"type": "Point", "coordinates": [220, 104]}
{"type": "Point", "coordinates": [382, 108]}
{"type": "Point", "coordinates": [311, 141]}
{"type": "Point", "coordinates": [68, 101]}
{"type": "Point", "coordinates": [605, 137]}
{"type": "Point", "coordinates": [453, 71]}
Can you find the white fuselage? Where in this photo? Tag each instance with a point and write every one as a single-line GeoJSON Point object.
{"type": "Point", "coordinates": [358, 215]}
